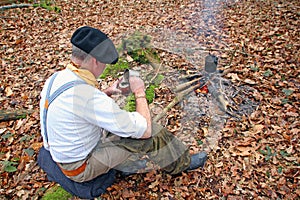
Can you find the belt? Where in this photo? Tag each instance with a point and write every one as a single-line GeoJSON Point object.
{"type": "Point", "coordinates": [74, 172]}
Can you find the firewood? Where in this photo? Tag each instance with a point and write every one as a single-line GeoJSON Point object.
{"type": "Point", "coordinates": [179, 97]}
{"type": "Point", "coordinates": [185, 85]}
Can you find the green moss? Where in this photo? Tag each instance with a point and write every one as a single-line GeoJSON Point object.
{"type": "Point", "coordinates": [57, 193]}
{"type": "Point", "coordinates": [130, 103]}
{"type": "Point", "coordinates": [139, 56]}
{"type": "Point", "coordinates": [47, 5]}
{"type": "Point", "coordinates": [114, 70]}
{"type": "Point", "coordinates": [150, 93]}
{"type": "Point", "coordinates": [157, 81]}
{"type": "Point", "coordinates": [130, 100]}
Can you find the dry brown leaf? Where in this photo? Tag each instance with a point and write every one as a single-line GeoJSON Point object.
{"type": "Point", "coordinates": [249, 81]}
{"type": "Point", "coordinates": [263, 35]}
{"type": "Point", "coordinates": [243, 151]}
{"type": "Point", "coordinates": [8, 92]}
{"type": "Point", "coordinates": [36, 146]}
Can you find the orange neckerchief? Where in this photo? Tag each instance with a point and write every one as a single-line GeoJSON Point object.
{"type": "Point", "coordinates": [85, 74]}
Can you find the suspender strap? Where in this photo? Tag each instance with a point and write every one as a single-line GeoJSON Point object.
{"type": "Point", "coordinates": [50, 98]}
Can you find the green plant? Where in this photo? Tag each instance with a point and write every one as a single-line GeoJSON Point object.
{"type": "Point", "coordinates": [130, 103]}
{"type": "Point", "coordinates": [29, 151]}
{"type": "Point", "coordinates": [254, 68]}
{"type": "Point", "coordinates": [150, 93]}
{"type": "Point", "coordinates": [139, 56]}
{"type": "Point", "coordinates": [199, 141]}
{"type": "Point", "coordinates": [157, 81]}
{"type": "Point", "coordinates": [135, 42]}
{"type": "Point", "coordinates": [9, 166]}
{"type": "Point", "coordinates": [287, 92]}
{"type": "Point", "coordinates": [268, 73]}
{"type": "Point", "coordinates": [284, 101]}
{"type": "Point", "coordinates": [7, 135]}
{"type": "Point", "coordinates": [26, 138]}
{"type": "Point", "coordinates": [283, 153]}
{"type": "Point", "coordinates": [47, 5]}
{"type": "Point", "coordinates": [138, 47]}
{"type": "Point", "coordinates": [267, 153]}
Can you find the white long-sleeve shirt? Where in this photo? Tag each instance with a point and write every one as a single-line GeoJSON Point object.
{"type": "Point", "coordinates": [77, 117]}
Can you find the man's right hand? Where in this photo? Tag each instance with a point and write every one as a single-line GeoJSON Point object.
{"type": "Point", "coordinates": [136, 84]}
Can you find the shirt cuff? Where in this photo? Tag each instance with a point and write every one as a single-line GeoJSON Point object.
{"type": "Point", "coordinates": [140, 123]}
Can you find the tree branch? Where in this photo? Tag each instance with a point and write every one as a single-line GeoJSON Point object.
{"type": "Point", "coordinates": [6, 115]}
{"type": "Point", "coordinates": [23, 5]}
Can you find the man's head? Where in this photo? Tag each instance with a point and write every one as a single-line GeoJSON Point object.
{"type": "Point", "coordinates": [96, 44]}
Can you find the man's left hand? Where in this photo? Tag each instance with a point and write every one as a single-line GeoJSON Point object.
{"type": "Point", "coordinates": [113, 89]}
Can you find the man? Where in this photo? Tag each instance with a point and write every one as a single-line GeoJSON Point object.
{"type": "Point", "coordinates": [75, 115]}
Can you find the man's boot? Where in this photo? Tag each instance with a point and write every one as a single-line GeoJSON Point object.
{"type": "Point", "coordinates": [198, 160]}
{"type": "Point", "coordinates": [132, 167]}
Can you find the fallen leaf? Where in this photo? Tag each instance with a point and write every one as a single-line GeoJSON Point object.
{"type": "Point", "coordinates": [8, 92]}
{"type": "Point", "coordinates": [249, 81]}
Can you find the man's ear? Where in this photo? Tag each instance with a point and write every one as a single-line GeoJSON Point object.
{"type": "Point", "coordinates": [94, 61]}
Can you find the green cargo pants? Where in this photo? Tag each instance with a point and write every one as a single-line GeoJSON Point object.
{"type": "Point", "coordinates": [162, 149]}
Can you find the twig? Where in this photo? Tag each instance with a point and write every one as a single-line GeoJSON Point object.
{"type": "Point", "coordinates": [154, 65]}
{"type": "Point", "coordinates": [190, 76]}
{"type": "Point", "coordinates": [5, 17]}
{"type": "Point", "coordinates": [156, 73]}
{"type": "Point", "coordinates": [176, 100]}
{"type": "Point", "coordinates": [23, 5]}
{"type": "Point", "coordinates": [21, 176]}
{"type": "Point", "coordinates": [207, 50]}
{"type": "Point", "coordinates": [224, 50]}
{"type": "Point", "coordinates": [231, 58]}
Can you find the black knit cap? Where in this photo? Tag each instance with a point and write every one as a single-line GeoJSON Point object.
{"type": "Point", "coordinates": [95, 43]}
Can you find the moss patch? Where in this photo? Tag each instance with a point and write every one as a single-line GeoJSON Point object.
{"type": "Point", "coordinates": [57, 193]}
{"type": "Point", "coordinates": [150, 95]}
{"type": "Point", "coordinates": [114, 70]}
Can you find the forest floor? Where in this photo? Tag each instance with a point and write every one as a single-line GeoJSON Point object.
{"type": "Point", "coordinates": [254, 156]}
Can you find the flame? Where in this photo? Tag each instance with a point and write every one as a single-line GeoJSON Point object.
{"type": "Point", "coordinates": [203, 90]}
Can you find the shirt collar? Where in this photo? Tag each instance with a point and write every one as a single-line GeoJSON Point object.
{"type": "Point", "coordinates": [84, 74]}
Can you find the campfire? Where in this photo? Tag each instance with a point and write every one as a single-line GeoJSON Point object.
{"type": "Point", "coordinates": [211, 100]}
{"type": "Point", "coordinates": [233, 101]}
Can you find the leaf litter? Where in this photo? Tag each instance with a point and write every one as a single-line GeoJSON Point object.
{"type": "Point", "coordinates": [255, 156]}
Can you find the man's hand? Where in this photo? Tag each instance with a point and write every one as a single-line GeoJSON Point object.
{"type": "Point", "coordinates": [136, 84]}
{"type": "Point", "coordinates": [113, 89]}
